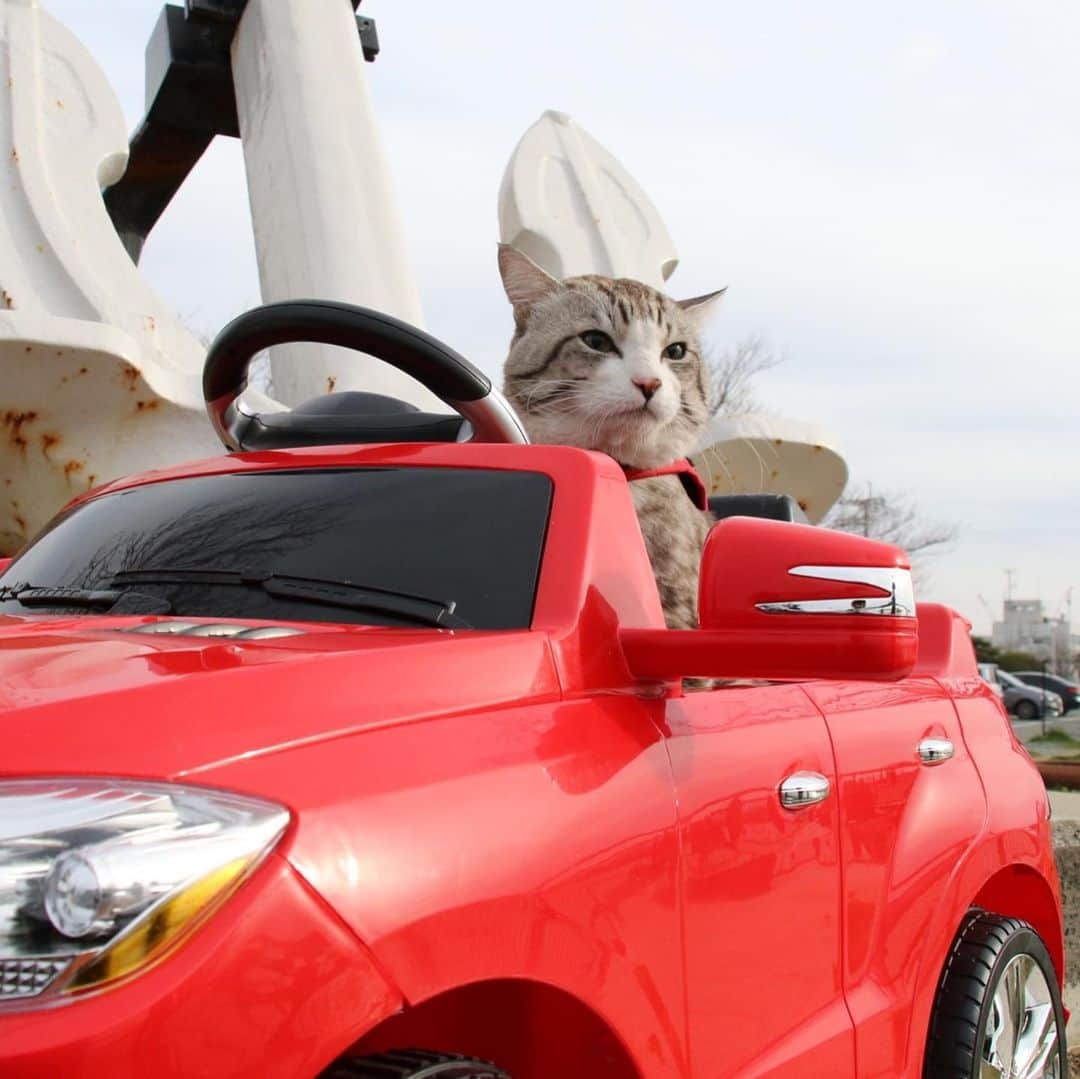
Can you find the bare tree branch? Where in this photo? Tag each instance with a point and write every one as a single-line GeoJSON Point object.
{"type": "Point", "coordinates": [890, 516]}
{"type": "Point", "coordinates": [731, 374]}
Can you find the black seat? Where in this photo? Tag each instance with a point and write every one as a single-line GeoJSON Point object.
{"type": "Point", "coordinates": [354, 417]}
{"type": "Point", "coordinates": [771, 507]}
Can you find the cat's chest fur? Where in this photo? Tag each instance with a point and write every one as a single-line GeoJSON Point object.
{"type": "Point", "coordinates": [674, 531]}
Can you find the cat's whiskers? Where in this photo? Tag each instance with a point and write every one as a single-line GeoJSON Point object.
{"type": "Point", "coordinates": [553, 395]}
{"type": "Point", "coordinates": [762, 467]}
{"type": "Point", "coordinates": [729, 475]}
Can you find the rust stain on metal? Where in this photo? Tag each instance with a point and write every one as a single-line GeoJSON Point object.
{"type": "Point", "coordinates": [83, 370]}
{"type": "Point", "coordinates": [147, 406]}
{"type": "Point", "coordinates": [14, 422]}
{"type": "Point", "coordinates": [151, 325]}
{"type": "Point", "coordinates": [130, 375]}
{"type": "Point", "coordinates": [331, 382]}
{"type": "Point", "coordinates": [778, 441]}
{"type": "Point", "coordinates": [803, 505]}
{"type": "Point", "coordinates": [16, 516]}
{"type": "Point", "coordinates": [14, 155]}
{"type": "Point", "coordinates": [91, 480]}
{"type": "Point", "coordinates": [71, 468]}
{"type": "Point", "coordinates": [818, 449]}
{"type": "Point", "coordinates": [59, 103]}
{"type": "Point", "coordinates": [48, 441]}
{"type": "Point", "coordinates": [9, 303]}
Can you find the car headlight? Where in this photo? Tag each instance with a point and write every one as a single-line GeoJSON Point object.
{"type": "Point", "coordinates": [99, 877]}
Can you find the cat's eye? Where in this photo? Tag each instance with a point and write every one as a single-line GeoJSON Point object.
{"type": "Point", "coordinates": [675, 351]}
{"type": "Point", "coordinates": [598, 341]}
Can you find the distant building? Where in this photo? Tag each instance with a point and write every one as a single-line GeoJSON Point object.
{"type": "Point", "coordinates": [1027, 628]}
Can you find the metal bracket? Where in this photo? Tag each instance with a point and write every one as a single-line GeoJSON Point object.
{"type": "Point", "coordinates": [189, 99]}
{"type": "Point", "coordinates": [228, 12]}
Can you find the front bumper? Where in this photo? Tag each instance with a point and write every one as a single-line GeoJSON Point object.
{"type": "Point", "coordinates": [273, 985]}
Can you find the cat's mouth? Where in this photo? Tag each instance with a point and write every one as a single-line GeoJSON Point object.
{"type": "Point", "coordinates": [643, 412]}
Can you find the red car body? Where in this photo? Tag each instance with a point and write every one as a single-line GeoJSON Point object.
{"type": "Point", "coordinates": [509, 844]}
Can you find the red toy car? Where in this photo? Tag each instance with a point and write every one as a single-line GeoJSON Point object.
{"type": "Point", "coordinates": [375, 760]}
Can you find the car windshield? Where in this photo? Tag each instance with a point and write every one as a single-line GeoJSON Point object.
{"type": "Point", "coordinates": [373, 546]}
{"type": "Point", "coordinates": [1010, 680]}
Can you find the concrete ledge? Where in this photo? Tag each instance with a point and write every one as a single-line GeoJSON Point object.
{"type": "Point", "coordinates": [1065, 827]}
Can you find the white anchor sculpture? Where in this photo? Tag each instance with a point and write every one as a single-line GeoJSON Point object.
{"type": "Point", "coordinates": [569, 205]}
{"type": "Point", "coordinates": [99, 378]}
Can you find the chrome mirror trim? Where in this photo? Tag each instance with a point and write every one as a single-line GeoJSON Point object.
{"type": "Point", "coordinates": [897, 597]}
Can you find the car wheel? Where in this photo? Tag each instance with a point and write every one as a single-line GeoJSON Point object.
{"type": "Point", "coordinates": [1026, 710]}
{"type": "Point", "coordinates": [998, 1008]}
{"type": "Point", "coordinates": [413, 1064]}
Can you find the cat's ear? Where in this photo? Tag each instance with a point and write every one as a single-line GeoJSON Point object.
{"type": "Point", "coordinates": [523, 280]}
{"type": "Point", "coordinates": [701, 307]}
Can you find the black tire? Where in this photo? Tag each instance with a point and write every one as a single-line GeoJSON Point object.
{"type": "Point", "coordinates": [413, 1064]}
{"type": "Point", "coordinates": [1026, 710]}
{"type": "Point", "coordinates": [967, 1024]}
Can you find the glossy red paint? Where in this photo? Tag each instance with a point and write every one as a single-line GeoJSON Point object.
{"type": "Point", "coordinates": [903, 826]}
{"type": "Point", "coordinates": [272, 986]}
{"type": "Point", "coordinates": [749, 562]}
{"type": "Point", "coordinates": [520, 846]}
{"type": "Point", "coordinates": [945, 647]}
{"type": "Point", "coordinates": [759, 881]}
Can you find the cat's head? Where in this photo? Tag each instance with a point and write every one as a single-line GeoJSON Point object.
{"type": "Point", "coordinates": [605, 363]}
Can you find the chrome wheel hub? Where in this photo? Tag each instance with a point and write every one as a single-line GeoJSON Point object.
{"type": "Point", "coordinates": [1022, 1036]}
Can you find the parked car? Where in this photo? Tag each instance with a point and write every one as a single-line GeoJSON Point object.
{"type": "Point", "coordinates": [375, 759]}
{"type": "Point", "coordinates": [1028, 702]}
{"type": "Point", "coordinates": [1069, 692]}
{"type": "Point", "coordinates": [988, 673]}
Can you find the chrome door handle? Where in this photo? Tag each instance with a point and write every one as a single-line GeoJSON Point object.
{"type": "Point", "coordinates": [935, 750]}
{"type": "Point", "coordinates": [803, 789]}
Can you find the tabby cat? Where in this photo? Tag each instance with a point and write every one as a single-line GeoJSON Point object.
{"type": "Point", "coordinates": [614, 365]}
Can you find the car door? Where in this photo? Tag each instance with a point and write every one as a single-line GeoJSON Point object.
{"type": "Point", "coordinates": [760, 886]}
{"type": "Point", "coordinates": [910, 804]}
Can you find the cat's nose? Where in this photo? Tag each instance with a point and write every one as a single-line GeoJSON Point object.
{"type": "Point", "coordinates": [648, 386]}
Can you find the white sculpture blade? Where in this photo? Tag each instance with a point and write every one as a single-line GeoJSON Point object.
{"type": "Point", "coordinates": [322, 205]}
{"type": "Point", "coordinates": [97, 377]}
{"type": "Point", "coordinates": [569, 205]}
{"type": "Point", "coordinates": [755, 454]}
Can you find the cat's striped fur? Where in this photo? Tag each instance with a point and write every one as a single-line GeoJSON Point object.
{"type": "Point", "coordinates": [614, 365]}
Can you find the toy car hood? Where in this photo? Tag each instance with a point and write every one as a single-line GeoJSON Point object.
{"type": "Point", "coordinates": [109, 700]}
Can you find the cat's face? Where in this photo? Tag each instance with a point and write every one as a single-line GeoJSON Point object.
{"type": "Point", "coordinates": [605, 364]}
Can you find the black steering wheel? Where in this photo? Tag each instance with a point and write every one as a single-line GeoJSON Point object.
{"type": "Point", "coordinates": [487, 415]}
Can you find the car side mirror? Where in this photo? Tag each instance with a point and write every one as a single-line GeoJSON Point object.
{"type": "Point", "coordinates": [783, 601]}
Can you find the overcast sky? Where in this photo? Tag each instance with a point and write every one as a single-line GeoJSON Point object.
{"type": "Point", "coordinates": [891, 193]}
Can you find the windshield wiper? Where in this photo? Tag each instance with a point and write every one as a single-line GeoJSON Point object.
{"type": "Point", "coordinates": [94, 599]}
{"type": "Point", "coordinates": [342, 594]}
